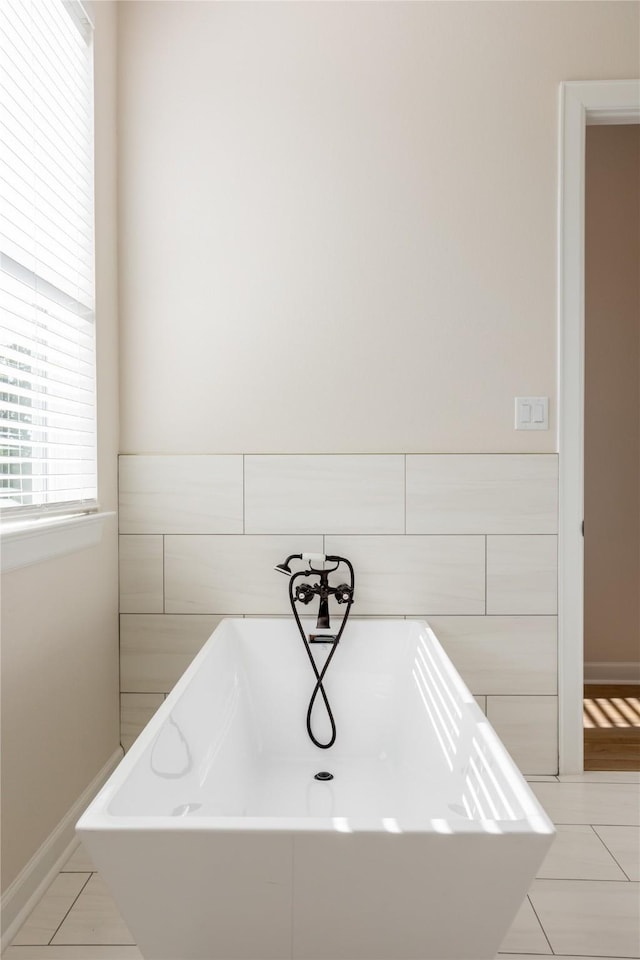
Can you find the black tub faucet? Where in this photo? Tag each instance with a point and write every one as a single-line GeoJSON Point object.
{"type": "Point", "coordinates": [305, 592]}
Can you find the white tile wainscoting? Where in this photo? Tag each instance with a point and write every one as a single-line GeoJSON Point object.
{"type": "Point", "coordinates": [467, 541]}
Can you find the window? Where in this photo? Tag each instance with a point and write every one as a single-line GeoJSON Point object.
{"type": "Point", "coordinates": [47, 329]}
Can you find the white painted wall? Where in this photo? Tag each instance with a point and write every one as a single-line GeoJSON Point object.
{"type": "Point", "coordinates": [59, 617]}
{"type": "Point", "coordinates": [353, 202]}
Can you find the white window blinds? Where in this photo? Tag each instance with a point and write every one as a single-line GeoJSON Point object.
{"type": "Point", "coordinates": [47, 336]}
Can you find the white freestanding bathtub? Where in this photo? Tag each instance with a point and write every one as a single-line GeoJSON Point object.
{"type": "Point", "coordinates": [218, 843]}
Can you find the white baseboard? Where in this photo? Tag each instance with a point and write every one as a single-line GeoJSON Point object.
{"type": "Point", "coordinates": [614, 671]}
{"type": "Point", "coordinates": [23, 893]}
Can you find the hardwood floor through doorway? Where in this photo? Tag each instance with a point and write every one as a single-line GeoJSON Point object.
{"type": "Point", "coordinates": [611, 727]}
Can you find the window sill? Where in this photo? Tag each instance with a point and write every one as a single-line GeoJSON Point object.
{"type": "Point", "coordinates": [37, 540]}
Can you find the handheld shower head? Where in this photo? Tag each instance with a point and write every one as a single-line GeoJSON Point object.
{"type": "Point", "coordinates": [284, 567]}
{"type": "Point", "coordinates": [307, 557]}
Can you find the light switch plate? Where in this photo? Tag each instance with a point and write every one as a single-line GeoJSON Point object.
{"type": "Point", "coordinates": [532, 413]}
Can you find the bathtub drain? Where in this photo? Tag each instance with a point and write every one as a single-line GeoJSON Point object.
{"type": "Point", "coordinates": [323, 775]}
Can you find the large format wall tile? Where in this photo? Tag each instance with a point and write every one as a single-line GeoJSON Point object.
{"type": "Point", "coordinates": [522, 574]}
{"type": "Point", "coordinates": [477, 558]}
{"type": "Point", "coordinates": [502, 655]}
{"type": "Point", "coordinates": [136, 709]}
{"type": "Point", "coordinates": [181, 494]}
{"type": "Point", "coordinates": [415, 575]}
{"type": "Point", "coordinates": [156, 649]}
{"type": "Point", "coordinates": [528, 727]}
{"type": "Point", "coordinates": [141, 574]}
{"type": "Point", "coordinates": [482, 493]}
{"type": "Point", "coordinates": [230, 575]}
{"type": "Point", "coordinates": [324, 494]}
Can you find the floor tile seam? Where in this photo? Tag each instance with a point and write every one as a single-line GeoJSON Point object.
{"type": "Point", "coordinates": [587, 823]}
{"type": "Point", "coordinates": [540, 923]}
{"type": "Point", "coordinates": [84, 885]}
{"type": "Point", "coordinates": [18, 932]}
{"type": "Point", "coordinates": [45, 946]}
{"type": "Point", "coordinates": [626, 880]}
{"type": "Point", "coordinates": [609, 783]}
{"type": "Point", "coordinates": [611, 854]}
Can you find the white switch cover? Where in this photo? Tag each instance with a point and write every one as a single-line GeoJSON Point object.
{"type": "Point", "coordinates": [532, 413]}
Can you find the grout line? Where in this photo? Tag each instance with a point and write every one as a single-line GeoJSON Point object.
{"type": "Point", "coordinates": [405, 494]}
{"type": "Point", "coordinates": [118, 534]}
{"type": "Point", "coordinates": [540, 922]}
{"type": "Point", "coordinates": [50, 943]}
{"type": "Point", "coordinates": [486, 550]}
{"type": "Point", "coordinates": [138, 614]}
{"type": "Point", "coordinates": [388, 615]}
{"type": "Point", "coordinates": [244, 518]}
{"type": "Point", "coordinates": [609, 851]}
{"type": "Point", "coordinates": [164, 584]}
{"type": "Point", "coordinates": [265, 452]}
{"type": "Point", "coordinates": [140, 693]}
{"type": "Point", "coordinates": [120, 675]}
{"type": "Point", "coordinates": [339, 533]}
{"type": "Point", "coordinates": [409, 616]}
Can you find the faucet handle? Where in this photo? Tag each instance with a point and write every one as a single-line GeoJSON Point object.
{"type": "Point", "coordinates": [344, 593]}
{"type": "Point", "coordinates": [305, 593]}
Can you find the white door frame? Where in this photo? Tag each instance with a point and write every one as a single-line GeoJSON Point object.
{"type": "Point", "coordinates": [581, 103]}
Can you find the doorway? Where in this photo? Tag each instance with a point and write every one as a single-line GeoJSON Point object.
{"type": "Point", "coordinates": [612, 448]}
{"type": "Point", "coordinates": [582, 103]}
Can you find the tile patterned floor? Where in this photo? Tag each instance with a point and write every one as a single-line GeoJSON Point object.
{"type": "Point", "coordinates": [584, 903]}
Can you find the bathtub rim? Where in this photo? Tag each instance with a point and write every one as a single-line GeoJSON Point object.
{"type": "Point", "coordinates": [97, 817]}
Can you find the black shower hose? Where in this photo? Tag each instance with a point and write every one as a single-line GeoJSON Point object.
{"type": "Point", "coordinates": [320, 675]}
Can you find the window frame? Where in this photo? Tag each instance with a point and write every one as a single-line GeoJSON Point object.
{"type": "Point", "coordinates": [28, 520]}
